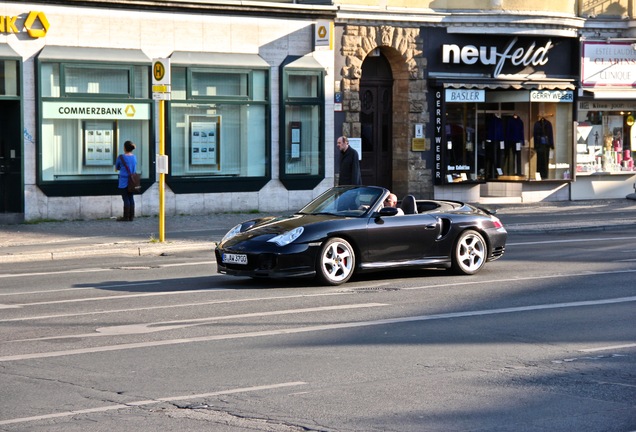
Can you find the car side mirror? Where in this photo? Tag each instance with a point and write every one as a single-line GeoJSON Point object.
{"type": "Point", "coordinates": [387, 211]}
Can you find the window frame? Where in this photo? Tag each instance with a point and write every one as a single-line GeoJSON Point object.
{"type": "Point", "coordinates": [131, 81]}
{"type": "Point", "coordinates": [197, 183]}
{"type": "Point", "coordinates": [84, 185]}
{"type": "Point", "coordinates": [300, 181]}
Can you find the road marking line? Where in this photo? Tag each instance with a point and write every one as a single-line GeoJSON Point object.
{"type": "Point", "coordinates": [150, 401]}
{"type": "Point", "coordinates": [55, 272]}
{"type": "Point", "coordinates": [521, 279]}
{"type": "Point", "coordinates": [101, 287]}
{"type": "Point", "coordinates": [199, 303]}
{"type": "Point", "coordinates": [123, 296]}
{"type": "Point", "coordinates": [97, 269]}
{"type": "Point", "coordinates": [145, 328]}
{"type": "Point", "coordinates": [316, 328]}
{"type": "Point", "coordinates": [45, 291]}
{"type": "Point", "coordinates": [608, 348]}
{"type": "Point", "coordinates": [586, 240]}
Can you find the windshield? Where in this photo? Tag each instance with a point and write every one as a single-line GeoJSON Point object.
{"type": "Point", "coordinates": [346, 201]}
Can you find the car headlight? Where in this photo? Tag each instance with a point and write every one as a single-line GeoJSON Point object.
{"type": "Point", "coordinates": [231, 233]}
{"type": "Point", "coordinates": [288, 237]}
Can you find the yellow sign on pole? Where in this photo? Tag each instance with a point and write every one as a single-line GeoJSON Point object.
{"type": "Point", "coordinates": [161, 93]}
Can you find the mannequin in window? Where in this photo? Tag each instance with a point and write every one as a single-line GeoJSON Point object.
{"type": "Point", "coordinates": [514, 142]}
{"type": "Point", "coordinates": [543, 142]}
{"type": "Point", "coordinates": [494, 138]}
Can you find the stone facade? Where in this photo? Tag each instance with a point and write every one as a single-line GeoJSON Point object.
{"type": "Point", "coordinates": [402, 47]}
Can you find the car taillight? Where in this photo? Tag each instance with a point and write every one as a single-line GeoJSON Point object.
{"type": "Point", "coordinates": [496, 222]}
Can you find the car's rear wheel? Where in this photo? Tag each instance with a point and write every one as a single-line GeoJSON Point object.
{"type": "Point", "coordinates": [470, 253]}
{"type": "Point", "coordinates": [336, 262]}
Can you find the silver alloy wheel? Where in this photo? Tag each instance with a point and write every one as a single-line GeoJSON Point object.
{"type": "Point", "coordinates": [335, 262]}
{"type": "Point", "coordinates": [470, 253]}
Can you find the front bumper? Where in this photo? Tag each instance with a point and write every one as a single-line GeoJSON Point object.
{"type": "Point", "coordinates": [271, 262]}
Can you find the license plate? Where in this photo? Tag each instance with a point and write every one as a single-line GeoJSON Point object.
{"type": "Point", "coordinates": [230, 258]}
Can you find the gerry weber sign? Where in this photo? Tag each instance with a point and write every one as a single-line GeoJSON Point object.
{"type": "Point", "coordinates": [531, 55]}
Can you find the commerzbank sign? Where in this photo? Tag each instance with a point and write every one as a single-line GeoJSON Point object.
{"type": "Point", "coordinates": [512, 54]}
{"type": "Point", "coordinates": [95, 111]}
{"type": "Point", "coordinates": [34, 24]}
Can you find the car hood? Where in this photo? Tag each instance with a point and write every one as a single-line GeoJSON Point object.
{"type": "Point", "coordinates": [263, 229]}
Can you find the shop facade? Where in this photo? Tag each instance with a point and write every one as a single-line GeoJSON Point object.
{"type": "Point", "coordinates": [605, 132]}
{"type": "Point", "coordinates": [247, 120]}
{"type": "Point", "coordinates": [503, 108]}
{"type": "Point", "coordinates": [476, 111]}
{"type": "Point", "coordinates": [380, 95]}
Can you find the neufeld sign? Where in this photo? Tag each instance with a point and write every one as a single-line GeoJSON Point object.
{"type": "Point", "coordinates": [520, 56]}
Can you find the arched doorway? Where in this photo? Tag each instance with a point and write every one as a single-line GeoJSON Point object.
{"type": "Point", "coordinates": [376, 112]}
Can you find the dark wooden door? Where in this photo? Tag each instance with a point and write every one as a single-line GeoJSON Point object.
{"type": "Point", "coordinates": [10, 158]}
{"type": "Point", "coordinates": [376, 117]}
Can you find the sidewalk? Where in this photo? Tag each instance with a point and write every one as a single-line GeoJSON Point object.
{"type": "Point", "coordinates": [71, 239]}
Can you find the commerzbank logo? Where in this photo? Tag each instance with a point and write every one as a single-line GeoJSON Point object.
{"type": "Point", "coordinates": [130, 111]}
{"type": "Point", "coordinates": [35, 24]}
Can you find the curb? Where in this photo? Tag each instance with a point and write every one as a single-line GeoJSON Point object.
{"type": "Point", "coordinates": [106, 250]}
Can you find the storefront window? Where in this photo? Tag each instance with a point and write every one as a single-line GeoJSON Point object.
{"type": "Point", "coordinates": [505, 135]}
{"type": "Point", "coordinates": [605, 137]}
{"type": "Point", "coordinates": [87, 112]}
{"type": "Point", "coordinates": [222, 134]}
{"type": "Point", "coordinates": [9, 78]}
{"type": "Point", "coordinates": [301, 150]}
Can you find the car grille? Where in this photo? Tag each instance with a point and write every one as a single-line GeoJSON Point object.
{"type": "Point", "coordinates": [266, 262]}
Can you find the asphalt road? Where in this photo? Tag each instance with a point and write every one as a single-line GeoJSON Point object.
{"type": "Point", "coordinates": [541, 340]}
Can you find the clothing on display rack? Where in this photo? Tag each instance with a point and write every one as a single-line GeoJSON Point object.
{"type": "Point", "coordinates": [514, 135]}
{"type": "Point", "coordinates": [543, 143]}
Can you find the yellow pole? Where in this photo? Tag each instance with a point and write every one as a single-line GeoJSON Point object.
{"type": "Point", "coordinates": [162, 176]}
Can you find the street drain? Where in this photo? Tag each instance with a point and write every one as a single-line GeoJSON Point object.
{"type": "Point", "coordinates": [374, 289]}
{"type": "Point", "coordinates": [134, 268]}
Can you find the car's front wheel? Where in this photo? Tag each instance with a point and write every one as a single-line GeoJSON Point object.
{"type": "Point", "coordinates": [470, 253]}
{"type": "Point", "coordinates": [336, 262]}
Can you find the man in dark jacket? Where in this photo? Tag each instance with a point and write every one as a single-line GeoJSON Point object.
{"type": "Point", "coordinates": [349, 163]}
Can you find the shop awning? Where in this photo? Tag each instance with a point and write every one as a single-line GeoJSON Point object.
{"type": "Point", "coordinates": [7, 51]}
{"type": "Point", "coordinates": [503, 82]}
{"type": "Point", "coordinates": [535, 85]}
{"type": "Point", "coordinates": [306, 62]}
{"type": "Point", "coordinates": [191, 58]}
{"type": "Point", "coordinates": [628, 93]}
{"type": "Point", "coordinates": [52, 52]}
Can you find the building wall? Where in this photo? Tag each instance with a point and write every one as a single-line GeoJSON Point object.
{"type": "Point", "coordinates": [561, 6]}
{"type": "Point", "coordinates": [158, 34]}
{"type": "Point", "coordinates": [601, 20]}
{"type": "Point", "coordinates": [403, 48]}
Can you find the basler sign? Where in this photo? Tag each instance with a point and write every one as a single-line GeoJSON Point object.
{"type": "Point", "coordinates": [532, 55]}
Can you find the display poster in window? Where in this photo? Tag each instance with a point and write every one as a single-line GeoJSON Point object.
{"type": "Point", "coordinates": [295, 140]}
{"type": "Point", "coordinates": [99, 140]}
{"type": "Point", "coordinates": [204, 141]}
{"type": "Point", "coordinates": [356, 143]}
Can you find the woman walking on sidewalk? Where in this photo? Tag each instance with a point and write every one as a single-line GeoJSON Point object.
{"type": "Point", "coordinates": [126, 164]}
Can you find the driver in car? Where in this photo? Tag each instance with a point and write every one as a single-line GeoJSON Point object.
{"type": "Point", "coordinates": [391, 201]}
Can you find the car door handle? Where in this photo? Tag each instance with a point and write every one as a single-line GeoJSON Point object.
{"type": "Point", "coordinates": [431, 226]}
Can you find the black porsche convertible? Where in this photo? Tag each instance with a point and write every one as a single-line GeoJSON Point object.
{"type": "Point", "coordinates": [348, 229]}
